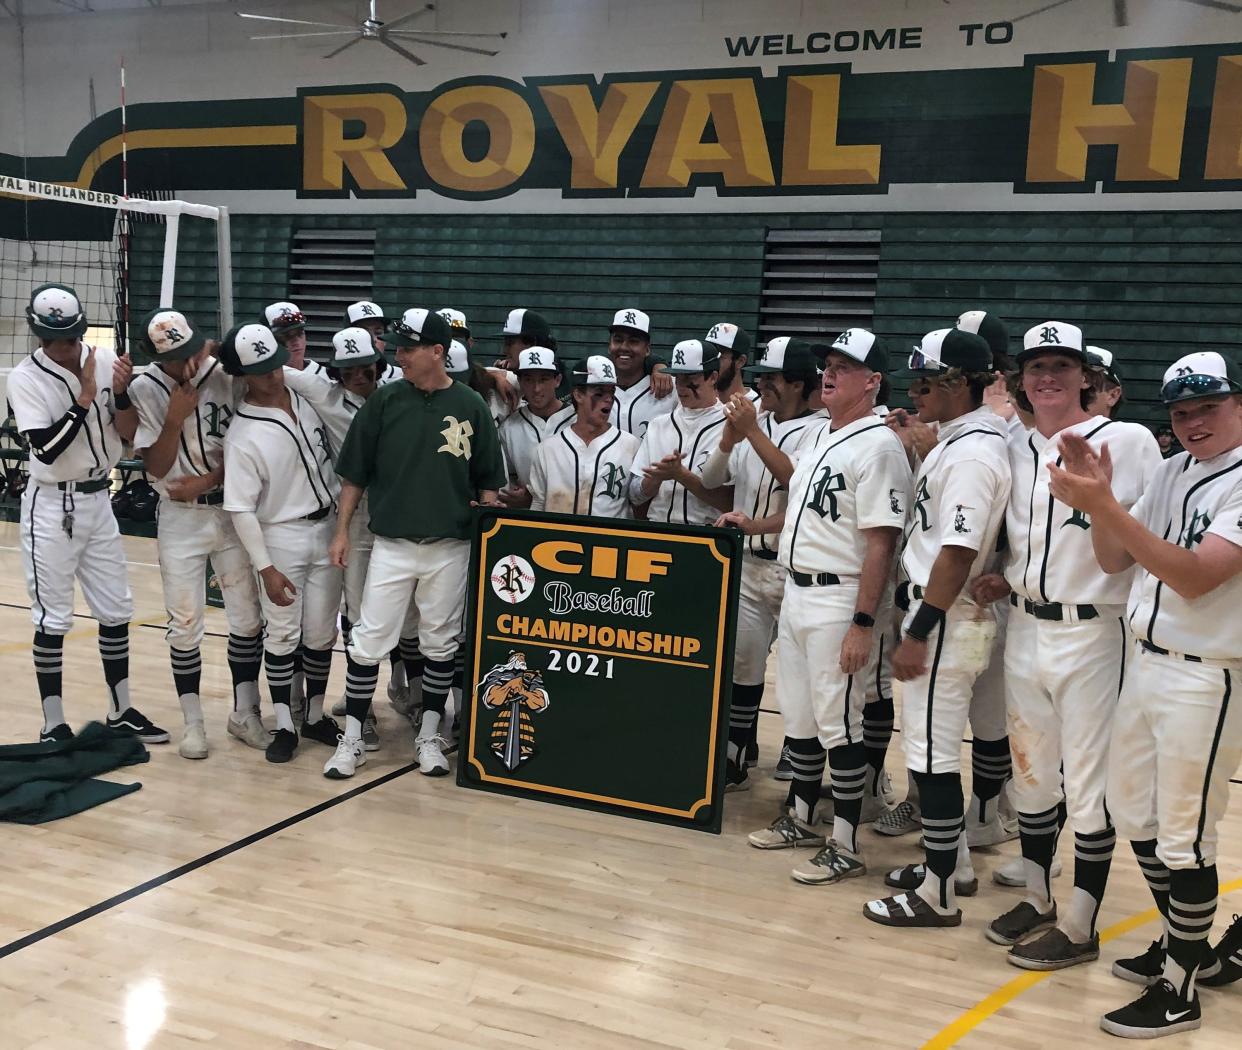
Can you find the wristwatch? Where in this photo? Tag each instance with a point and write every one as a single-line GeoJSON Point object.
{"type": "Point", "coordinates": [861, 619]}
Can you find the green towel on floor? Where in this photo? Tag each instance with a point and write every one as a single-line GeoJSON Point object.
{"type": "Point", "coordinates": [42, 782]}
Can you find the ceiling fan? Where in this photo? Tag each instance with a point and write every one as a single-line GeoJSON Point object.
{"type": "Point", "coordinates": [372, 28]}
{"type": "Point", "coordinates": [1122, 17]}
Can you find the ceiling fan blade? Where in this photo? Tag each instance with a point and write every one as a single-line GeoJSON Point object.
{"type": "Point", "coordinates": [409, 35]}
{"type": "Point", "coordinates": [348, 43]}
{"type": "Point", "coordinates": [442, 32]}
{"type": "Point", "coordinates": [293, 21]}
{"type": "Point", "coordinates": [1041, 10]}
{"type": "Point", "coordinates": [300, 36]}
{"type": "Point", "coordinates": [413, 14]}
{"type": "Point", "coordinates": [1219, 5]}
{"type": "Point", "coordinates": [400, 50]}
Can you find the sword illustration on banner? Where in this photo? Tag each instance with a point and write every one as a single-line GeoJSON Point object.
{"type": "Point", "coordinates": [516, 692]}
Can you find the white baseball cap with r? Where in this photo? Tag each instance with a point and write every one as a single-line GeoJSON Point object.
{"type": "Point", "coordinates": [631, 318]}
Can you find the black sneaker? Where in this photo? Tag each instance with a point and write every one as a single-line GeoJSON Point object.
{"type": "Point", "coordinates": [1229, 958]}
{"type": "Point", "coordinates": [56, 734]}
{"type": "Point", "coordinates": [284, 744]}
{"type": "Point", "coordinates": [736, 778]}
{"type": "Point", "coordinates": [1147, 969]}
{"type": "Point", "coordinates": [134, 721]}
{"type": "Point", "coordinates": [784, 768]}
{"type": "Point", "coordinates": [325, 731]}
{"type": "Point", "coordinates": [1157, 1012]}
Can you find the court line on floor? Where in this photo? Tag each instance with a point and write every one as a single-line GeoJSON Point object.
{"type": "Point", "coordinates": [1007, 993]}
{"type": "Point", "coordinates": [190, 866]}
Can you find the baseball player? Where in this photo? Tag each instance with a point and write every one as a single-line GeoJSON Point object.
{"type": "Point", "coordinates": [784, 374]}
{"type": "Point", "coordinates": [956, 518]}
{"type": "Point", "coordinates": [637, 399]}
{"type": "Point", "coordinates": [541, 415]}
{"type": "Point", "coordinates": [666, 478]}
{"type": "Point", "coordinates": [281, 491]}
{"type": "Point", "coordinates": [439, 431]}
{"type": "Point", "coordinates": [733, 344]}
{"type": "Point", "coordinates": [847, 506]}
{"type": "Point", "coordinates": [185, 403]}
{"type": "Point", "coordinates": [1065, 650]}
{"type": "Point", "coordinates": [584, 468]}
{"type": "Point", "coordinates": [1107, 395]}
{"type": "Point", "coordinates": [70, 403]}
{"type": "Point", "coordinates": [1177, 738]}
{"type": "Point", "coordinates": [370, 318]}
{"type": "Point", "coordinates": [522, 329]}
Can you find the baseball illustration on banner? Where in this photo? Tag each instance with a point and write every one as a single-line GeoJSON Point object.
{"type": "Point", "coordinates": [513, 579]}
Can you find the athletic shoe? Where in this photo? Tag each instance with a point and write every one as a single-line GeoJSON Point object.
{"type": "Point", "coordinates": [325, 731]}
{"type": "Point", "coordinates": [993, 833]}
{"type": "Point", "coordinates": [283, 744]}
{"type": "Point", "coordinates": [133, 721]}
{"type": "Point", "coordinates": [1159, 1011]}
{"type": "Point", "coordinates": [1228, 953]}
{"type": "Point", "coordinates": [1013, 872]}
{"type": "Point", "coordinates": [370, 734]}
{"type": "Point", "coordinates": [1054, 951]}
{"type": "Point", "coordinates": [1019, 922]}
{"type": "Point", "coordinates": [57, 734]}
{"type": "Point", "coordinates": [430, 755]}
{"type": "Point", "coordinates": [752, 754]}
{"type": "Point", "coordinates": [736, 778]}
{"type": "Point", "coordinates": [193, 741]}
{"type": "Point", "coordinates": [911, 878]}
{"type": "Point", "coordinates": [249, 730]}
{"type": "Point", "coordinates": [786, 831]}
{"type": "Point", "coordinates": [338, 709]}
{"type": "Point", "coordinates": [909, 909]}
{"type": "Point", "coordinates": [784, 768]}
{"type": "Point", "coordinates": [833, 863]}
{"type": "Point", "coordinates": [348, 756]}
{"type": "Point", "coordinates": [902, 819]}
{"type": "Point", "coordinates": [1148, 968]}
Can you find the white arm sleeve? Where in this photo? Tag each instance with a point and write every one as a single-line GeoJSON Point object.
{"type": "Point", "coordinates": [250, 532]}
{"type": "Point", "coordinates": [716, 470]}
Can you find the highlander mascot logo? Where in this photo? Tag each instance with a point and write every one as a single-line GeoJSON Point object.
{"type": "Point", "coordinates": [516, 692]}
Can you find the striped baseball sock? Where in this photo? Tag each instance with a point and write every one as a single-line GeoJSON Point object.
{"type": "Point", "coordinates": [245, 663]}
{"type": "Point", "coordinates": [808, 758]}
{"type": "Point", "coordinates": [114, 652]}
{"type": "Point", "coordinates": [990, 765]}
{"type": "Point", "coordinates": [412, 659]}
{"type": "Point", "coordinates": [877, 733]}
{"type": "Point", "coordinates": [317, 666]}
{"type": "Point", "coordinates": [1038, 835]}
{"type": "Point", "coordinates": [1156, 875]}
{"type": "Point", "coordinates": [48, 661]}
{"type": "Point", "coordinates": [280, 684]}
{"type": "Point", "coordinates": [743, 714]}
{"type": "Point", "coordinates": [1192, 908]}
{"type": "Point", "coordinates": [360, 680]}
{"type": "Point", "coordinates": [187, 672]}
{"type": "Point", "coordinates": [848, 766]}
{"type": "Point", "coordinates": [437, 680]}
{"type": "Point", "coordinates": [1093, 858]}
{"type": "Point", "coordinates": [940, 796]}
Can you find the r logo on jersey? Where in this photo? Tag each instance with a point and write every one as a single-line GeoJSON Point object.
{"type": "Point", "coordinates": [613, 481]}
{"type": "Point", "coordinates": [824, 492]}
{"type": "Point", "coordinates": [1196, 530]}
{"type": "Point", "coordinates": [456, 437]}
{"type": "Point", "coordinates": [218, 418]}
{"type": "Point", "coordinates": [1077, 518]}
{"type": "Point", "coordinates": [921, 498]}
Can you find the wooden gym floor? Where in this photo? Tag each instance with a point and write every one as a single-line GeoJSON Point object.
{"type": "Point", "coordinates": [235, 904]}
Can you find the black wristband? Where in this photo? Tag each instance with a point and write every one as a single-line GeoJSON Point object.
{"type": "Point", "coordinates": [924, 621]}
{"type": "Point", "coordinates": [122, 400]}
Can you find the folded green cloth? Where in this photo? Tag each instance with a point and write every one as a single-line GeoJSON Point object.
{"type": "Point", "coordinates": [42, 782]}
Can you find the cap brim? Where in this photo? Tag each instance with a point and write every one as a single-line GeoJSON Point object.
{"type": "Point", "coordinates": [1064, 351]}
{"type": "Point", "coordinates": [754, 370]}
{"type": "Point", "coordinates": [268, 364]}
{"type": "Point", "coordinates": [370, 359]}
{"type": "Point", "coordinates": [628, 328]}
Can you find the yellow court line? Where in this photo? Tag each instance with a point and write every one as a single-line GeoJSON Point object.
{"type": "Point", "coordinates": [150, 621]}
{"type": "Point", "coordinates": [571, 647]}
{"type": "Point", "coordinates": [1007, 993]}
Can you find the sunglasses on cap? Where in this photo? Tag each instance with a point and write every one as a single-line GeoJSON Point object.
{"type": "Point", "coordinates": [920, 362]}
{"type": "Point", "coordinates": [1185, 387]}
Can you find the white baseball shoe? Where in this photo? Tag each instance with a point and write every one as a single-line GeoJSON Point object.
{"type": "Point", "coordinates": [349, 755]}
{"type": "Point", "coordinates": [429, 751]}
{"type": "Point", "coordinates": [193, 741]}
{"type": "Point", "coordinates": [249, 730]}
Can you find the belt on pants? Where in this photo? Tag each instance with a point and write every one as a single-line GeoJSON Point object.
{"type": "Point", "coordinates": [1188, 657]}
{"type": "Point", "coordinates": [318, 515]}
{"type": "Point", "coordinates": [84, 487]}
{"type": "Point", "coordinates": [819, 579]}
{"type": "Point", "coordinates": [763, 555]}
{"type": "Point", "coordinates": [210, 499]}
{"type": "Point", "coordinates": [906, 594]}
{"type": "Point", "coordinates": [1054, 610]}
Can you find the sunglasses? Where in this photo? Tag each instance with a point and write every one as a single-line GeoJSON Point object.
{"type": "Point", "coordinates": [1183, 387]}
{"type": "Point", "coordinates": [919, 362]}
{"type": "Point", "coordinates": [287, 319]}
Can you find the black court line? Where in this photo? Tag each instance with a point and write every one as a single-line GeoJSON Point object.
{"type": "Point", "coordinates": [200, 862]}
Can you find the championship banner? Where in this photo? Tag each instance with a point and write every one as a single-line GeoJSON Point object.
{"type": "Point", "coordinates": [599, 664]}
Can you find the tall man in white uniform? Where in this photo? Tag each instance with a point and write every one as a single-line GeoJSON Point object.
{"type": "Point", "coordinates": [955, 521]}
{"type": "Point", "coordinates": [70, 403]}
{"type": "Point", "coordinates": [636, 403]}
{"type": "Point", "coordinates": [1177, 735]}
{"type": "Point", "coordinates": [585, 467]}
{"type": "Point", "coordinates": [185, 403]}
{"type": "Point", "coordinates": [667, 475]}
{"type": "Point", "coordinates": [847, 506]}
{"type": "Point", "coordinates": [281, 490]}
{"type": "Point", "coordinates": [541, 415]}
{"type": "Point", "coordinates": [784, 374]}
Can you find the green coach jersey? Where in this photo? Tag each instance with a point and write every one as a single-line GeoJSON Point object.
{"type": "Point", "coordinates": [422, 457]}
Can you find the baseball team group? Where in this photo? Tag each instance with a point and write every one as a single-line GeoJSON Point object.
{"type": "Point", "coordinates": [1012, 554]}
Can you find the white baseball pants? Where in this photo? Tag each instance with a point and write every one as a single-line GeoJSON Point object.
{"type": "Point", "coordinates": [758, 612]}
{"type": "Point", "coordinates": [53, 559]}
{"type": "Point", "coordinates": [987, 699]}
{"type": "Point", "coordinates": [361, 540]}
{"type": "Point", "coordinates": [299, 549]}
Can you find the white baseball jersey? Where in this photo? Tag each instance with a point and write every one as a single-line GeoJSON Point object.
{"type": "Point", "coordinates": [521, 434]}
{"type": "Point", "coordinates": [1050, 556]}
{"type": "Point", "coordinates": [569, 476]}
{"type": "Point", "coordinates": [391, 373]}
{"type": "Point", "coordinates": [1186, 501]}
{"type": "Point", "coordinates": [846, 480]}
{"type": "Point", "coordinates": [41, 392]}
{"type": "Point", "coordinates": [312, 367]}
{"type": "Point", "coordinates": [334, 405]}
{"type": "Point", "coordinates": [200, 449]}
{"type": "Point", "coordinates": [635, 407]}
{"type": "Point", "coordinates": [756, 493]}
{"type": "Point", "coordinates": [695, 433]}
{"type": "Point", "coordinates": [960, 495]}
{"type": "Point", "coordinates": [278, 467]}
